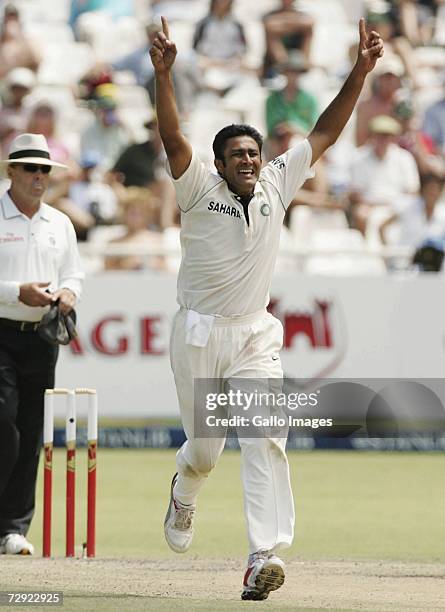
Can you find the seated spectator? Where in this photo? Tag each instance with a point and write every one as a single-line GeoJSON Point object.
{"type": "Point", "coordinates": [15, 49]}
{"type": "Point", "coordinates": [384, 17]}
{"type": "Point", "coordinates": [382, 173]}
{"type": "Point", "coordinates": [20, 82]}
{"type": "Point", "coordinates": [138, 213]}
{"type": "Point", "coordinates": [286, 28]}
{"type": "Point", "coordinates": [415, 140]}
{"type": "Point", "coordinates": [139, 163]}
{"type": "Point", "coordinates": [418, 219]}
{"type": "Point", "coordinates": [106, 136]}
{"type": "Point", "coordinates": [186, 74]}
{"type": "Point", "coordinates": [292, 104]}
{"type": "Point", "coordinates": [91, 195]}
{"type": "Point", "coordinates": [143, 165]}
{"type": "Point", "coordinates": [220, 43]}
{"type": "Point", "coordinates": [43, 120]}
{"type": "Point", "coordinates": [386, 82]}
{"type": "Point", "coordinates": [417, 20]}
{"type": "Point", "coordinates": [434, 124]}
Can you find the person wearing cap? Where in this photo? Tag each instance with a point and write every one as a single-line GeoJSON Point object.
{"type": "Point", "coordinates": [20, 82]}
{"type": "Point", "coordinates": [382, 173]}
{"type": "Point", "coordinates": [106, 136]}
{"type": "Point", "coordinates": [39, 265]}
{"type": "Point", "coordinates": [292, 104]}
{"type": "Point", "coordinates": [386, 83]}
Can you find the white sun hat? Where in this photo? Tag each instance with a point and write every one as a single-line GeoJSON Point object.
{"type": "Point", "coordinates": [30, 149]}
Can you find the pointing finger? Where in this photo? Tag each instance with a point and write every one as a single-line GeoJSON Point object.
{"type": "Point", "coordinates": [362, 31]}
{"type": "Point", "coordinates": [165, 27]}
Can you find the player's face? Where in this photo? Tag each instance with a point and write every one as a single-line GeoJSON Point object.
{"type": "Point", "coordinates": [242, 164]}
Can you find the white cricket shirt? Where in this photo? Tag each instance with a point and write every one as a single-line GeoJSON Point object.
{"type": "Point", "coordinates": [227, 265]}
{"type": "Point", "coordinates": [40, 249]}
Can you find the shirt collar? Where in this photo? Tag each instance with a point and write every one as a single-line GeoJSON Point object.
{"type": "Point", "coordinates": [11, 210]}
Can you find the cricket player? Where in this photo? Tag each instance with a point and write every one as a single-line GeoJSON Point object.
{"type": "Point", "coordinates": [230, 228]}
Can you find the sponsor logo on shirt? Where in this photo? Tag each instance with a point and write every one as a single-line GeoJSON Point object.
{"type": "Point", "coordinates": [224, 209]}
{"type": "Point", "coordinates": [10, 237]}
{"type": "Point", "coordinates": [279, 163]}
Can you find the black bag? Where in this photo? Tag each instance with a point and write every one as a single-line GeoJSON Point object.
{"type": "Point", "coordinates": [57, 328]}
{"type": "Point", "coordinates": [429, 256]}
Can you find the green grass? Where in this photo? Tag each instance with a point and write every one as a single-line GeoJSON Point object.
{"type": "Point", "coordinates": [349, 505]}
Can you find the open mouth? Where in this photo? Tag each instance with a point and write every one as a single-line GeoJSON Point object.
{"type": "Point", "coordinates": [246, 172]}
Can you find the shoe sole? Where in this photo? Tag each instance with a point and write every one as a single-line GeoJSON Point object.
{"type": "Point", "coordinates": [167, 516]}
{"type": "Point", "coordinates": [270, 578]}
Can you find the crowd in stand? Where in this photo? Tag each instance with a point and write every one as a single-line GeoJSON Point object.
{"type": "Point", "coordinates": [381, 183]}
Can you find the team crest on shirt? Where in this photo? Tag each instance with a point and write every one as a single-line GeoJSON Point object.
{"type": "Point", "coordinates": [224, 209]}
{"type": "Point", "coordinates": [265, 210]}
{"type": "Point", "coordinates": [52, 240]}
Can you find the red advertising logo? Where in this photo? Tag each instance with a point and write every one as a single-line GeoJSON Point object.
{"type": "Point", "coordinates": [314, 341]}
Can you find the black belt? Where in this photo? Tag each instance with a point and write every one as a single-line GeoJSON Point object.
{"type": "Point", "coordinates": [23, 326]}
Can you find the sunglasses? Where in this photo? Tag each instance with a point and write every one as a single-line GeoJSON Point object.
{"type": "Point", "coordinates": [33, 168]}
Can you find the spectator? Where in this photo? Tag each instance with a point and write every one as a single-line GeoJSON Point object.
{"type": "Point", "coordinates": [186, 75]}
{"type": "Point", "coordinates": [43, 120]}
{"type": "Point", "coordinates": [382, 173]}
{"type": "Point", "coordinates": [138, 213]}
{"type": "Point", "coordinates": [387, 81]}
{"type": "Point", "coordinates": [384, 18]}
{"type": "Point", "coordinates": [416, 141]}
{"type": "Point", "coordinates": [20, 82]}
{"type": "Point", "coordinates": [138, 164]}
{"type": "Point", "coordinates": [418, 218]}
{"type": "Point", "coordinates": [15, 49]}
{"type": "Point", "coordinates": [286, 28]}
{"type": "Point", "coordinates": [90, 201]}
{"type": "Point", "coordinates": [434, 123]}
{"type": "Point", "coordinates": [417, 20]}
{"type": "Point", "coordinates": [292, 104]}
{"type": "Point", "coordinates": [143, 165]}
{"type": "Point", "coordinates": [106, 136]}
{"type": "Point", "coordinates": [220, 43]}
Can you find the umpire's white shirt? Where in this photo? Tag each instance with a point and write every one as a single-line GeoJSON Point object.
{"type": "Point", "coordinates": [41, 249]}
{"type": "Point", "coordinates": [227, 265]}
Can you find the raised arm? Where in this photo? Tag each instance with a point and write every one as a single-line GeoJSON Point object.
{"type": "Point", "coordinates": [332, 121]}
{"type": "Point", "coordinates": [179, 152]}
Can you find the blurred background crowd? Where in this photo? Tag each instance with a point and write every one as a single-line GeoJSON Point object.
{"type": "Point", "coordinates": [78, 71]}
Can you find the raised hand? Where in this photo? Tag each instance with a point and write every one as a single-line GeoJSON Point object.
{"type": "Point", "coordinates": [163, 51]}
{"type": "Point", "coordinates": [370, 48]}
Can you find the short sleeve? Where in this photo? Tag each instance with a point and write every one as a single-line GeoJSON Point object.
{"type": "Point", "coordinates": [193, 184]}
{"type": "Point", "coordinates": [290, 170]}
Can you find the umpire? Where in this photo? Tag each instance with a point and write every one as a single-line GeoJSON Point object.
{"type": "Point", "coordinates": [39, 264]}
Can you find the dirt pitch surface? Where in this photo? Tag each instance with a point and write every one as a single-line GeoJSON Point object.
{"type": "Point", "coordinates": [214, 584]}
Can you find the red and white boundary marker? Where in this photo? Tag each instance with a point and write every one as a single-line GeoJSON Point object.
{"type": "Point", "coordinates": [48, 440]}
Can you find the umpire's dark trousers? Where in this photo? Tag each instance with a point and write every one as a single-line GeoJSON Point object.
{"type": "Point", "coordinates": [27, 366]}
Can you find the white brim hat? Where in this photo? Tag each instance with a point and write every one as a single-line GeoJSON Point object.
{"type": "Point", "coordinates": [30, 149]}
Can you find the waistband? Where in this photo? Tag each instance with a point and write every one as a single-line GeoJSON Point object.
{"type": "Point", "coordinates": [236, 319]}
{"type": "Point", "coordinates": [22, 326]}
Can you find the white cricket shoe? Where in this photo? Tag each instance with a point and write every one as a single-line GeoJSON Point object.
{"type": "Point", "coordinates": [178, 524]}
{"type": "Point", "coordinates": [15, 544]}
{"type": "Point", "coordinates": [265, 573]}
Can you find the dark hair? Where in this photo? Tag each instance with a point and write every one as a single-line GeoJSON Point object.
{"type": "Point", "coordinates": [231, 131]}
{"type": "Point", "coordinates": [431, 177]}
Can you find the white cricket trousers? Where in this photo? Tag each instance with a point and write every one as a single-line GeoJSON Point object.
{"type": "Point", "coordinates": [240, 347]}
